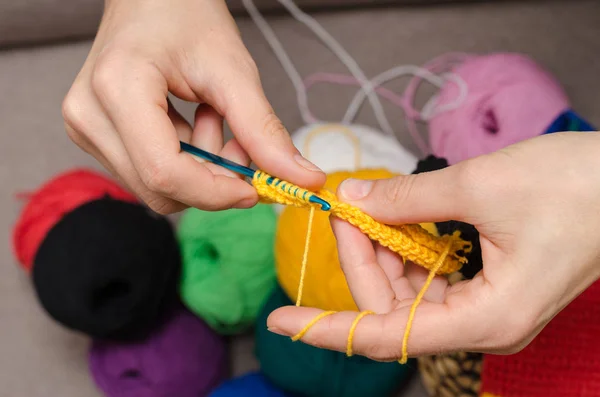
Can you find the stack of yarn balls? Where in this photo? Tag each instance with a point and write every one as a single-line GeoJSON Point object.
{"type": "Point", "coordinates": [104, 265]}
{"type": "Point", "coordinates": [160, 304]}
{"type": "Point", "coordinates": [510, 99]}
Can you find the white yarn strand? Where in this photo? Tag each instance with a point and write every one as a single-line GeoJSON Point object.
{"type": "Point", "coordinates": [283, 58]}
{"type": "Point", "coordinates": [345, 58]}
{"type": "Point", "coordinates": [404, 70]}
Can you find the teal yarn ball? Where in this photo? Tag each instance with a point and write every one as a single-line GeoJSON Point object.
{"type": "Point", "coordinates": [228, 264]}
{"type": "Point", "coordinates": [308, 371]}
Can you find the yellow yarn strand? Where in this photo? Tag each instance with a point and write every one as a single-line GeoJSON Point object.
{"type": "Point", "coordinates": [413, 308]}
{"type": "Point", "coordinates": [311, 216]}
{"type": "Point", "coordinates": [308, 326]}
{"type": "Point", "coordinates": [353, 329]}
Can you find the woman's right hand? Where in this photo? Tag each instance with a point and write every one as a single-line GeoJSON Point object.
{"type": "Point", "coordinates": [117, 109]}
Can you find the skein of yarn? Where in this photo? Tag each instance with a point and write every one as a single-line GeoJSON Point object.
{"type": "Point", "coordinates": [337, 147]}
{"type": "Point", "coordinates": [104, 267]}
{"type": "Point", "coordinates": [304, 370]}
{"type": "Point", "coordinates": [253, 384]}
{"type": "Point", "coordinates": [510, 99]}
{"type": "Point", "coordinates": [183, 357]}
{"type": "Point", "coordinates": [325, 285]}
{"type": "Point", "coordinates": [228, 264]}
{"type": "Point", "coordinates": [563, 360]}
{"type": "Point", "coordinates": [52, 201]}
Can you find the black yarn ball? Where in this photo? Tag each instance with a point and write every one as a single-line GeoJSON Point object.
{"type": "Point", "coordinates": [468, 232]}
{"type": "Point", "coordinates": [109, 269]}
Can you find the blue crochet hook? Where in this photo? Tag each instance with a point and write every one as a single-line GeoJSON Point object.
{"type": "Point", "coordinates": [240, 169]}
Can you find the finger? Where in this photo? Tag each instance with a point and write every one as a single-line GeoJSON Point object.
{"type": "Point", "coordinates": [136, 102]}
{"type": "Point", "coordinates": [260, 132]}
{"type": "Point", "coordinates": [96, 136]}
{"type": "Point", "coordinates": [426, 197]}
{"type": "Point", "coordinates": [234, 152]}
{"type": "Point", "coordinates": [367, 281]}
{"type": "Point", "coordinates": [437, 328]}
{"type": "Point", "coordinates": [183, 128]}
{"type": "Point", "coordinates": [416, 276]}
{"type": "Point", "coordinates": [392, 265]}
{"type": "Point", "coordinates": [208, 130]}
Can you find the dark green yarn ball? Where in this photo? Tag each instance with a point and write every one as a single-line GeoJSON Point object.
{"type": "Point", "coordinates": [312, 372]}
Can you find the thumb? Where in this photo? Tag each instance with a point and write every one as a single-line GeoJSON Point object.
{"type": "Point", "coordinates": [263, 136]}
{"type": "Point", "coordinates": [433, 196]}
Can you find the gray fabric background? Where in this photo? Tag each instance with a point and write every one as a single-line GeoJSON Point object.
{"type": "Point", "coordinates": [33, 21]}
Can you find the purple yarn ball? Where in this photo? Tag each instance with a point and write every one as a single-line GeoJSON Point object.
{"type": "Point", "coordinates": [182, 358]}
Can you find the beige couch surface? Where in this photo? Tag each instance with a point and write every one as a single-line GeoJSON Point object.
{"type": "Point", "coordinates": [32, 21]}
{"type": "Point", "coordinates": [39, 358]}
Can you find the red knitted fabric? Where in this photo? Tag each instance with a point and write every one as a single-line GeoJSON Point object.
{"type": "Point", "coordinates": [563, 360]}
{"type": "Point", "coordinates": [57, 197]}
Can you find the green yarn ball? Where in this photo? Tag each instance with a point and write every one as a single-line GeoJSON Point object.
{"type": "Point", "coordinates": [228, 264]}
{"type": "Point", "coordinates": [308, 371]}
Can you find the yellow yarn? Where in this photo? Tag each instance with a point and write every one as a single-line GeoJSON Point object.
{"type": "Point", "coordinates": [353, 329]}
{"type": "Point", "coordinates": [441, 255]}
{"type": "Point", "coordinates": [420, 244]}
{"type": "Point", "coordinates": [308, 326]}
{"type": "Point", "coordinates": [413, 308]}
{"type": "Point", "coordinates": [411, 242]}
{"type": "Point", "coordinates": [305, 256]}
{"type": "Point", "coordinates": [325, 285]}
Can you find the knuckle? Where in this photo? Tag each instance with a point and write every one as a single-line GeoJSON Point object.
{"type": "Point", "coordinates": [78, 139]}
{"type": "Point", "coordinates": [161, 205]}
{"type": "Point", "coordinates": [76, 120]}
{"type": "Point", "coordinates": [320, 339]}
{"type": "Point", "coordinates": [157, 179]}
{"type": "Point", "coordinates": [247, 66]}
{"type": "Point", "coordinates": [385, 347]}
{"type": "Point", "coordinates": [240, 61]}
{"type": "Point", "coordinates": [398, 189]}
{"type": "Point", "coordinates": [273, 128]}
{"type": "Point", "coordinates": [73, 112]}
{"type": "Point", "coordinates": [106, 70]}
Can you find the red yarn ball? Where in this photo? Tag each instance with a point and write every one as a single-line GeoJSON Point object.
{"type": "Point", "coordinates": [52, 201]}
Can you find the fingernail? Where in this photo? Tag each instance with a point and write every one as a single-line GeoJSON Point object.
{"type": "Point", "coordinates": [304, 163]}
{"type": "Point", "coordinates": [276, 330]}
{"type": "Point", "coordinates": [355, 189]}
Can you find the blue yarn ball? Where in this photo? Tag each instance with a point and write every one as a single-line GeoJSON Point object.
{"type": "Point", "coordinates": [253, 384]}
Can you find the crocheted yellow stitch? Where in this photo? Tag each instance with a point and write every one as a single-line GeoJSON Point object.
{"type": "Point", "coordinates": [411, 242]}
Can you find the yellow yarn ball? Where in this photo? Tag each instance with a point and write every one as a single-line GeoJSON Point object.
{"type": "Point", "coordinates": [325, 285]}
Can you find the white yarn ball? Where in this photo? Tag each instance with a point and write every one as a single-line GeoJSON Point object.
{"type": "Point", "coordinates": [333, 150]}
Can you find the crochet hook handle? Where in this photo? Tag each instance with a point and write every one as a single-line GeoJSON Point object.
{"type": "Point", "coordinates": [240, 169]}
{"type": "Point", "coordinates": [218, 160]}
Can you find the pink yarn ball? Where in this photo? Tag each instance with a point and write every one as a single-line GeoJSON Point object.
{"type": "Point", "coordinates": [510, 98]}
